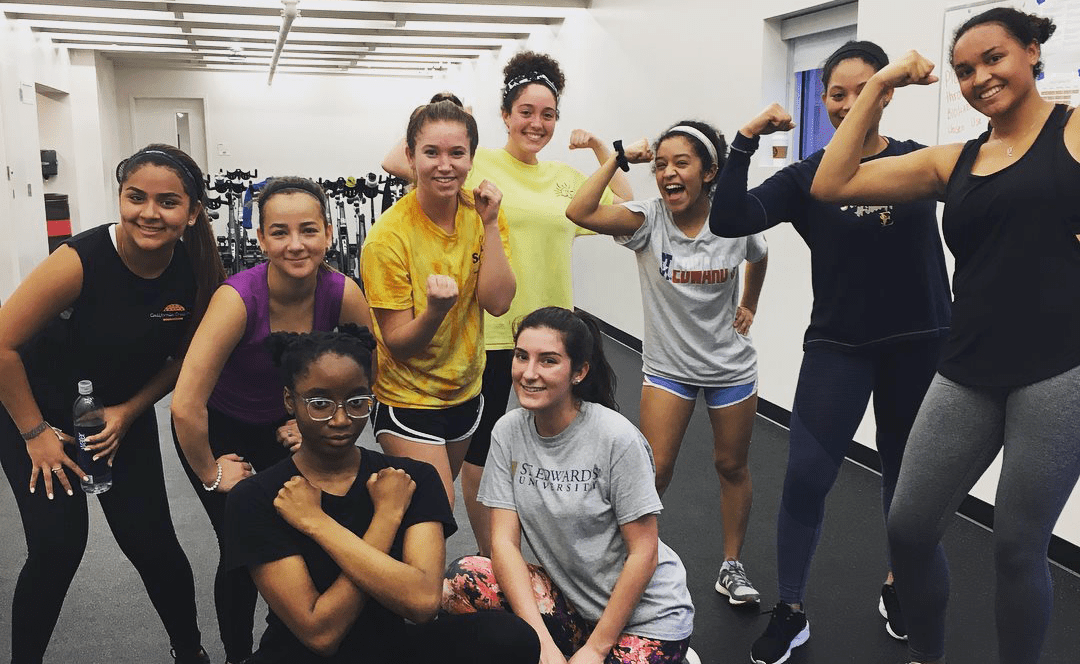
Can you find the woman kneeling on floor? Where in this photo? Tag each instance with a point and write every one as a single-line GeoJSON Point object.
{"type": "Point", "coordinates": [346, 545]}
{"type": "Point", "coordinates": [576, 478]}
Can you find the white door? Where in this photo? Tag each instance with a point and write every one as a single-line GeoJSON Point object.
{"type": "Point", "coordinates": [175, 121]}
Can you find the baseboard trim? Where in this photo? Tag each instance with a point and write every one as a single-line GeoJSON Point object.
{"type": "Point", "coordinates": [1061, 551]}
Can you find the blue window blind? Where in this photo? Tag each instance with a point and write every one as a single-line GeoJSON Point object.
{"type": "Point", "coordinates": [815, 129]}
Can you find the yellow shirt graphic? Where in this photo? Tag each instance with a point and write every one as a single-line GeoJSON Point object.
{"type": "Point", "coordinates": [402, 250]}
{"type": "Point", "coordinates": [535, 197]}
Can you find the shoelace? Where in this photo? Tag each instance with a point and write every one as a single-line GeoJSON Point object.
{"type": "Point", "coordinates": [738, 575]}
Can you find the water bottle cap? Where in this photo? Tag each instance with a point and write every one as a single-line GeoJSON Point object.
{"type": "Point", "coordinates": [86, 387]}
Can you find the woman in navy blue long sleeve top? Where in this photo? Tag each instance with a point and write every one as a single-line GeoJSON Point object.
{"type": "Point", "coordinates": [879, 315]}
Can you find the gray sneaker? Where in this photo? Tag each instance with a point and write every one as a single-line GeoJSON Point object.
{"type": "Point", "coordinates": [732, 582]}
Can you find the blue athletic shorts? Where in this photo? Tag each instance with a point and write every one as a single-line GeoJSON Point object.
{"type": "Point", "coordinates": [715, 397]}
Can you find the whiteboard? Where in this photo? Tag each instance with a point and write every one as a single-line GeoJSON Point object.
{"type": "Point", "coordinates": [957, 121]}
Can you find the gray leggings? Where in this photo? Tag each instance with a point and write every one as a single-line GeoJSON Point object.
{"type": "Point", "coordinates": [956, 436]}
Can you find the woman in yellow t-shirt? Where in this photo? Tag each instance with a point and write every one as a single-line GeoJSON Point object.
{"type": "Point", "coordinates": [431, 264]}
{"type": "Point", "coordinates": [535, 195]}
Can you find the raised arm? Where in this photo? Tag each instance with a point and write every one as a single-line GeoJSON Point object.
{"type": "Point", "coordinates": [736, 212]}
{"type": "Point", "coordinates": [642, 544]}
{"type": "Point", "coordinates": [585, 209]}
{"type": "Point", "coordinates": [620, 185]}
{"type": "Point", "coordinates": [842, 178]}
{"type": "Point", "coordinates": [220, 331]}
{"type": "Point", "coordinates": [495, 284]}
{"type": "Point", "coordinates": [515, 582]}
{"type": "Point", "coordinates": [51, 288]}
{"type": "Point", "coordinates": [396, 162]}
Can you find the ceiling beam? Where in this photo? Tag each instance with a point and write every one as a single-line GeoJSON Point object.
{"type": "Point", "coordinates": [179, 9]}
{"type": "Point", "coordinates": [305, 29]}
{"type": "Point", "coordinates": [271, 40]}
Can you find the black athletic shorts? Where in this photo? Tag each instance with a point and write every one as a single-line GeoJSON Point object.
{"type": "Point", "coordinates": [434, 426]}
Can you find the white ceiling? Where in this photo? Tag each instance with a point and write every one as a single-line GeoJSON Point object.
{"type": "Point", "coordinates": [411, 38]}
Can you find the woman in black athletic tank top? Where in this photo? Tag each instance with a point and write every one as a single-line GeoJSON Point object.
{"type": "Point", "coordinates": [116, 305]}
{"type": "Point", "coordinates": [1012, 198]}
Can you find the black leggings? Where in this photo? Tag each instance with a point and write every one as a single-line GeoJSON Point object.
{"type": "Point", "coordinates": [487, 636]}
{"type": "Point", "coordinates": [830, 399]}
{"type": "Point", "coordinates": [496, 390]}
{"type": "Point", "coordinates": [137, 510]}
{"type": "Point", "coordinates": [234, 592]}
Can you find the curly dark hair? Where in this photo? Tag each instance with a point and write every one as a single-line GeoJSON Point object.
{"type": "Point", "coordinates": [1024, 28]}
{"type": "Point", "coordinates": [293, 353]}
{"type": "Point", "coordinates": [529, 62]}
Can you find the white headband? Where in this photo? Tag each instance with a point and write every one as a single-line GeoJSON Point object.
{"type": "Point", "coordinates": [696, 133]}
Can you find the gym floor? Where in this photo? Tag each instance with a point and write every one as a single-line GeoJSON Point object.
{"type": "Point", "coordinates": [107, 617]}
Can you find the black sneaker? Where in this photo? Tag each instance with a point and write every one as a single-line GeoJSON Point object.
{"type": "Point", "coordinates": [889, 608]}
{"type": "Point", "coordinates": [197, 657]}
{"type": "Point", "coordinates": [788, 629]}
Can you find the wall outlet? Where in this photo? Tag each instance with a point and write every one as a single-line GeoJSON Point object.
{"type": "Point", "coordinates": [222, 150]}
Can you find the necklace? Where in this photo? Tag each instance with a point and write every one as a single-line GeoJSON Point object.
{"type": "Point", "coordinates": [1009, 148]}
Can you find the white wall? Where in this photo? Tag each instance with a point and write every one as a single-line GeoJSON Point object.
{"type": "Point", "coordinates": [28, 61]}
{"type": "Point", "coordinates": [315, 126]}
{"type": "Point", "coordinates": [25, 60]}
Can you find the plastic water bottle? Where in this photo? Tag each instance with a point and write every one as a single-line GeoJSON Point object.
{"type": "Point", "coordinates": [89, 419]}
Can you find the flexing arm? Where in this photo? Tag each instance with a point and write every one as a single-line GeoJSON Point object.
{"type": "Point", "coordinates": [841, 178]}
{"type": "Point", "coordinates": [620, 185]}
{"type": "Point", "coordinates": [642, 543]}
{"type": "Point", "coordinates": [737, 212]}
{"type": "Point", "coordinates": [755, 279]}
{"type": "Point", "coordinates": [495, 284]}
{"type": "Point", "coordinates": [220, 331]}
{"type": "Point", "coordinates": [396, 162]}
{"type": "Point", "coordinates": [585, 209]}
{"type": "Point", "coordinates": [514, 580]}
{"type": "Point", "coordinates": [51, 288]}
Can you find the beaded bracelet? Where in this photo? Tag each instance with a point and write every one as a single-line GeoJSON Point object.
{"type": "Point", "coordinates": [620, 156]}
{"type": "Point", "coordinates": [217, 482]}
{"type": "Point", "coordinates": [35, 432]}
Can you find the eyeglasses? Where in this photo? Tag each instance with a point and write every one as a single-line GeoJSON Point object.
{"type": "Point", "coordinates": [321, 409]}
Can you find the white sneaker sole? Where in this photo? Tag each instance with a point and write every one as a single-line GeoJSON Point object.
{"type": "Point", "coordinates": [885, 615]}
{"type": "Point", "coordinates": [734, 601]}
{"type": "Point", "coordinates": [800, 638]}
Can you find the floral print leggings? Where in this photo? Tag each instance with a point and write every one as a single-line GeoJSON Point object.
{"type": "Point", "coordinates": [470, 586]}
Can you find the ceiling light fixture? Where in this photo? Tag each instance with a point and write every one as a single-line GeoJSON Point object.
{"type": "Point", "coordinates": [288, 15]}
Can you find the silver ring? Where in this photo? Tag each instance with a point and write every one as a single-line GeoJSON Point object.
{"type": "Point", "coordinates": [57, 469]}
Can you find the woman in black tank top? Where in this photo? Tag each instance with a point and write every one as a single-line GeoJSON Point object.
{"type": "Point", "coordinates": [115, 304]}
{"type": "Point", "coordinates": [1012, 200]}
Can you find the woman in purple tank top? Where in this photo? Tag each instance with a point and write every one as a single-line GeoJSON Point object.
{"type": "Point", "coordinates": [1005, 382]}
{"type": "Point", "coordinates": [228, 410]}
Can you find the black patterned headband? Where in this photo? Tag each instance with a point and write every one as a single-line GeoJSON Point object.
{"type": "Point", "coordinates": [185, 174]}
{"type": "Point", "coordinates": [532, 77]}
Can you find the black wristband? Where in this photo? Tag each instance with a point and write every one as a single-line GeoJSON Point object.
{"type": "Point", "coordinates": [620, 156]}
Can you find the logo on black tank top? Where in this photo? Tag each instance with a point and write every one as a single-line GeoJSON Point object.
{"type": "Point", "coordinates": [172, 312]}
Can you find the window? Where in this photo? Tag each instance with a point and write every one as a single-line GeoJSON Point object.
{"type": "Point", "coordinates": [810, 39]}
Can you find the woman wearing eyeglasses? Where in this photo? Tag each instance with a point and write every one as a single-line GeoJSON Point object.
{"type": "Point", "coordinates": [345, 544]}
